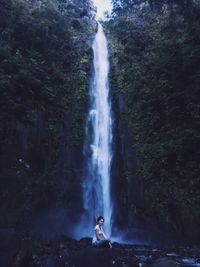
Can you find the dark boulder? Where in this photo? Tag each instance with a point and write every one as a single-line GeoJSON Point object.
{"type": "Point", "coordinates": [164, 262]}
{"type": "Point", "coordinates": [91, 257]}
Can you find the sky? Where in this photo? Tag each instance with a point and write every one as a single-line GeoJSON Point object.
{"type": "Point", "coordinates": [102, 6]}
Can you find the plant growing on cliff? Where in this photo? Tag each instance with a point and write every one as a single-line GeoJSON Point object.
{"type": "Point", "coordinates": [44, 63]}
{"type": "Point", "coordinates": [155, 62]}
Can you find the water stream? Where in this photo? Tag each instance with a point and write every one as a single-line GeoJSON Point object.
{"type": "Point", "coordinates": [98, 139]}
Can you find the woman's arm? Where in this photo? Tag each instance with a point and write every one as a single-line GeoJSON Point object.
{"type": "Point", "coordinates": [97, 234]}
{"type": "Point", "coordinates": [105, 236]}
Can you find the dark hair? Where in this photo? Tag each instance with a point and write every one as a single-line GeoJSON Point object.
{"type": "Point", "coordinates": [100, 218]}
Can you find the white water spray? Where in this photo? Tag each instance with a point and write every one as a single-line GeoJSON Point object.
{"type": "Point", "coordinates": [98, 140]}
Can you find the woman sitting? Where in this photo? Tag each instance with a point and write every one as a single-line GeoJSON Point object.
{"type": "Point", "coordinates": [100, 239]}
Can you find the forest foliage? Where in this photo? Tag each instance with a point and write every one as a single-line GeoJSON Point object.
{"type": "Point", "coordinates": [156, 68]}
{"type": "Point", "coordinates": [44, 64]}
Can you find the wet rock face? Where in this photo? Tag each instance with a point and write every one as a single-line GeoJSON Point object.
{"type": "Point", "coordinates": [42, 171]}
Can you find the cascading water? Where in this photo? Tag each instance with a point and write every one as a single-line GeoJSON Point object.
{"type": "Point", "coordinates": [98, 140]}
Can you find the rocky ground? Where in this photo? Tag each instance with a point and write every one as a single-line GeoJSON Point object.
{"type": "Point", "coordinates": [67, 252]}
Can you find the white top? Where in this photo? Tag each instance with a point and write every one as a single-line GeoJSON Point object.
{"type": "Point", "coordinates": [100, 232]}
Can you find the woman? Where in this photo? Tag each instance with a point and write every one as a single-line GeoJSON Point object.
{"type": "Point", "coordinates": [100, 239]}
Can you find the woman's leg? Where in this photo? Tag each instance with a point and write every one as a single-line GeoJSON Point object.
{"type": "Point", "coordinates": [102, 244]}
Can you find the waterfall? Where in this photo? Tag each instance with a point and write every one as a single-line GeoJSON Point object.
{"type": "Point", "coordinates": [98, 140]}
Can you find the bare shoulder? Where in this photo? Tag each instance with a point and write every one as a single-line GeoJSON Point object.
{"type": "Point", "coordinates": [96, 227]}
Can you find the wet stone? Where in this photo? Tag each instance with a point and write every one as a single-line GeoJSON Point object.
{"type": "Point", "coordinates": [164, 262]}
{"type": "Point", "coordinates": [64, 251]}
